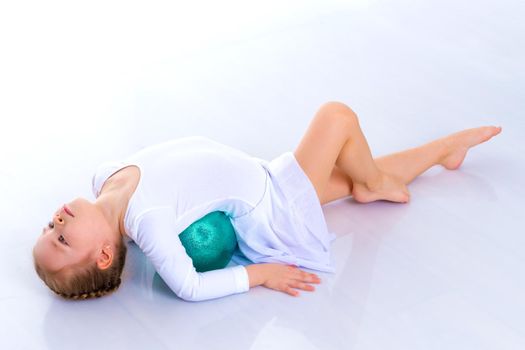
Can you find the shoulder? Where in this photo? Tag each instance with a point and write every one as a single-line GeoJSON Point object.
{"type": "Point", "coordinates": [104, 171]}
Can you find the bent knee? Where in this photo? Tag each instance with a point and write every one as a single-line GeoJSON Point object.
{"type": "Point", "coordinates": [338, 112]}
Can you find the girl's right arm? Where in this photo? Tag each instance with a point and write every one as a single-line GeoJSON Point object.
{"type": "Point", "coordinates": [281, 277]}
{"type": "Point", "coordinates": [169, 257]}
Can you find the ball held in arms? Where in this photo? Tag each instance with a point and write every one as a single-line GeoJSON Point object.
{"type": "Point", "coordinates": [210, 241]}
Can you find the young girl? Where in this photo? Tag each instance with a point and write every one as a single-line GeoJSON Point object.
{"type": "Point", "coordinates": [275, 208]}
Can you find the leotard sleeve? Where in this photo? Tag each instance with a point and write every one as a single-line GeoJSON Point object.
{"type": "Point", "coordinates": [159, 242]}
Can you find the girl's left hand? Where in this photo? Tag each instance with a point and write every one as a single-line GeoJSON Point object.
{"type": "Point", "coordinates": [286, 277]}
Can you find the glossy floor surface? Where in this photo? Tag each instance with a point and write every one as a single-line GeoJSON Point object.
{"type": "Point", "coordinates": [81, 85]}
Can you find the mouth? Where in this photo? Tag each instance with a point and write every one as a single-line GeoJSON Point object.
{"type": "Point", "coordinates": [68, 212]}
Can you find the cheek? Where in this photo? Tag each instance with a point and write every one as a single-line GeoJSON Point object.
{"type": "Point", "coordinates": [84, 235]}
{"type": "Point", "coordinates": [39, 250]}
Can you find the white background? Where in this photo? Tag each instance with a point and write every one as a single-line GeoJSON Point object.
{"type": "Point", "coordinates": [86, 82]}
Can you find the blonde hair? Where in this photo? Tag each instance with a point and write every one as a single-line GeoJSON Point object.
{"type": "Point", "coordinates": [88, 281]}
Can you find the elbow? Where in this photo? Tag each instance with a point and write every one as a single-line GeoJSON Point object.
{"type": "Point", "coordinates": [185, 298]}
{"type": "Point", "coordinates": [188, 297]}
{"type": "Point", "coordinates": [190, 294]}
{"type": "Point", "coordinates": [192, 297]}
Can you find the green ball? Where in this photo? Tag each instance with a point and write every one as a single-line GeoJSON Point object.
{"type": "Point", "coordinates": [210, 241]}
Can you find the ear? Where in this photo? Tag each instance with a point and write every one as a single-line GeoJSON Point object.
{"type": "Point", "coordinates": [105, 257]}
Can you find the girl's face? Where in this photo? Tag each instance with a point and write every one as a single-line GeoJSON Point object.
{"type": "Point", "coordinates": [77, 233]}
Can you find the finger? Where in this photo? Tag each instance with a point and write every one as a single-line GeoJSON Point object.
{"type": "Point", "coordinates": [291, 291]}
{"type": "Point", "coordinates": [303, 275]}
{"type": "Point", "coordinates": [312, 278]}
{"type": "Point", "coordinates": [293, 268]}
{"type": "Point", "coordinates": [315, 279]}
{"type": "Point", "coordinates": [303, 286]}
{"type": "Point", "coordinates": [308, 277]}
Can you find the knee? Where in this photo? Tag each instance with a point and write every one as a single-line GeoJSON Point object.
{"type": "Point", "coordinates": [338, 112]}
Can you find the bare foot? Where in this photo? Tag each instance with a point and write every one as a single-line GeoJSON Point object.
{"type": "Point", "coordinates": [387, 188]}
{"type": "Point", "coordinates": [459, 143]}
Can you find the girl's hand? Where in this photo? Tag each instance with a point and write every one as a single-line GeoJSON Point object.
{"type": "Point", "coordinates": [286, 277]}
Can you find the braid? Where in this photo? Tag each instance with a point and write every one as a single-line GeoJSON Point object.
{"type": "Point", "coordinates": [90, 295]}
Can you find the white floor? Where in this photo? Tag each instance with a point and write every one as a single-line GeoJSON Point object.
{"type": "Point", "coordinates": [83, 84]}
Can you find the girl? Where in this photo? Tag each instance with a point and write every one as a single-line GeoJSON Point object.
{"type": "Point", "coordinates": [275, 208]}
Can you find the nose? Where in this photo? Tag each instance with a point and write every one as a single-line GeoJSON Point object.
{"type": "Point", "coordinates": [58, 219]}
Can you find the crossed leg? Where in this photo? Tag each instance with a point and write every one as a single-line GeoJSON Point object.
{"type": "Point", "coordinates": [335, 156]}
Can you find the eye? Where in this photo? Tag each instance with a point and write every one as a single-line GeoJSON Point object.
{"type": "Point", "coordinates": [62, 240]}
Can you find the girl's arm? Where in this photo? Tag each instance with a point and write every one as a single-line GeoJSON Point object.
{"type": "Point", "coordinates": [281, 277]}
{"type": "Point", "coordinates": [157, 239]}
{"type": "Point", "coordinates": [165, 250]}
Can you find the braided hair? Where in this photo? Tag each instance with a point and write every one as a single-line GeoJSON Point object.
{"type": "Point", "coordinates": [85, 282]}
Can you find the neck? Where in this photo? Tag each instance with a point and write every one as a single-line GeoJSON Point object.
{"type": "Point", "coordinates": [113, 206]}
{"type": "Point", "coordinates": [114, 198]}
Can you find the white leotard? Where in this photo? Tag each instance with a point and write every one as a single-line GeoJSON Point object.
{"type": "Point", "coordinates": [181, 181]}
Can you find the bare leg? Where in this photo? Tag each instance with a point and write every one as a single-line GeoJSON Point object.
{"type": "Point", "coordinates": [334, 147]}
{"type": "Point", "coordinates": [448, 151]}
{"type": "Point", "coordinates": [334, 137]}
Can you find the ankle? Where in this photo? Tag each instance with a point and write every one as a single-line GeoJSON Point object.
{"type": "Point", "coordinates": [373, 183]}
{"type": "Point", "coordinates": [444, 149]}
